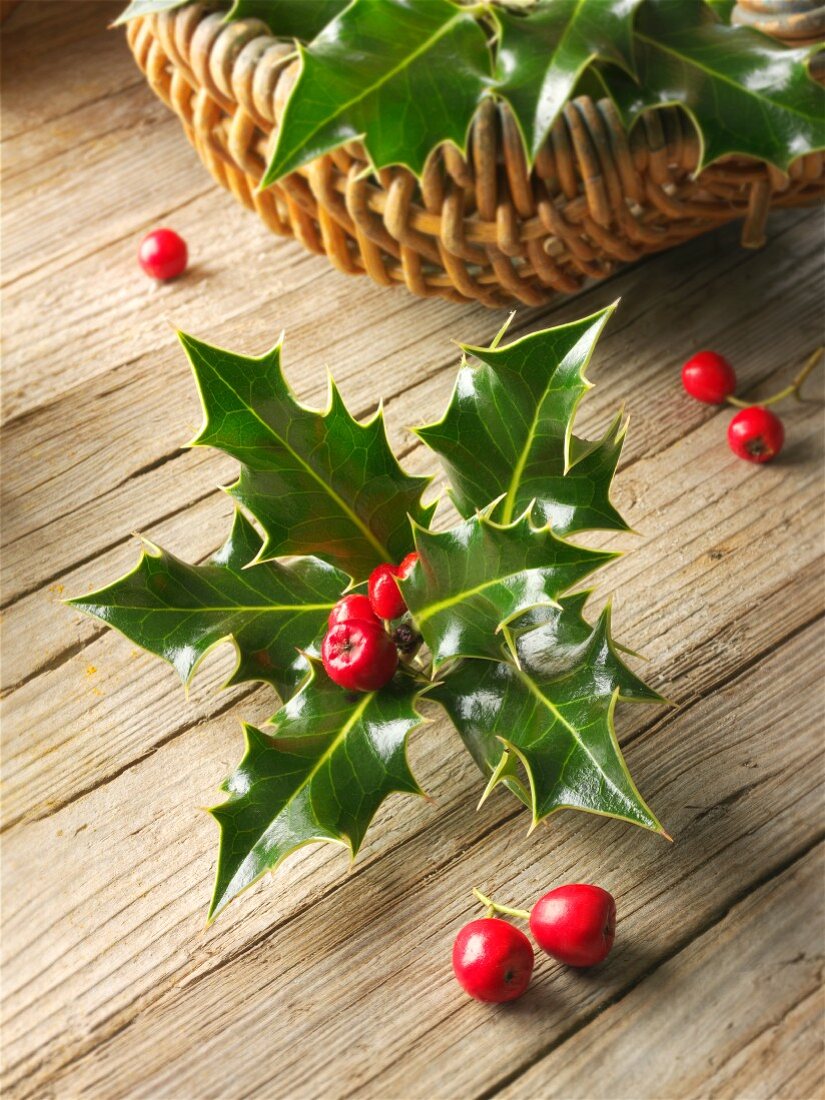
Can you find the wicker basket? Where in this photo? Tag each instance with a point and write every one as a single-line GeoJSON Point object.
{"type": "Point", "coordinates": [481, 229]}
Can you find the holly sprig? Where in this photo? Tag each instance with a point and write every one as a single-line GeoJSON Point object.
{"type": "Point", "coordinates": [531, 686]}
{"type": "Point", "coordinates": [406, 76]}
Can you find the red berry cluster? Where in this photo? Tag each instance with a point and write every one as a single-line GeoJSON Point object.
{"type": "Point", "coordinates": [755, 433]}
{"type": "Point", "coordinates": [493, 960]}
{"type": "Point", "coordinates": [358, 652]}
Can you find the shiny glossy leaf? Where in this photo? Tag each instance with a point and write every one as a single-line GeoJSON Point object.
{"type": "Point", "coordinates": [544, 49]}
{"type": "Point", "coordinates": [722, 9]}
{"type": "Point", "coordinates": [318, 483]}
{"type": "Point", "coordinates": [473, 580]}
{"type": "Point", "coordinates": [553, 716]}
{"type": "Point", "coordinates": [745, 93]}
{"type": "Point", "coordinates": [147, 7]}
{"type": "Point", "coordinates": [508, 432]}
{"type": "Point", "coordinates": [318, 771]}
{"type": "Point", "coordinates": [301, 19]}
{"type": "Point", "coordinates": [531, 687]}
{"type": "Point", "coordinates": [180, 612]}
{"type": "Point", "coordinates": [402, 75]}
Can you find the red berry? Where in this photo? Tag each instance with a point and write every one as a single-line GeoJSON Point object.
{"type": "Point", "coordinates": [359, 655]}
{"type": "Point", "coordinates": [352, 608]}
{"type": "Point", "coordinates": [575, 924]}
{"type": "Point", "coordinates": [385, 595]}
{"type": "Point", "coordinates": [756, 434]}
{"type": "Point", "coordinates": [709, 377]}
{"type": "Point", "coordinates": [162, 254]}
{"type": "Point", "coordinates": [492, 959]}
{"type": "Point", "coordinates": [406, 566]}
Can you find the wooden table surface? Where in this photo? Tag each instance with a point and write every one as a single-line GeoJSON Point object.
{"type": "Point", "coordinates": [326, 981]}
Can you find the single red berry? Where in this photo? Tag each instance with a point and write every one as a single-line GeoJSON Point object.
{"type": "Point", "coordinates": [709, 377]}
{"type": "Point", "coordinates": [756, 434]}
{"type": "Point", "coordinates": [492, 959]}
{"type": "Point", "coordinates": [359, 655]}
{"type": "Point", "coordinates": [406, 566]}
{"type": "Point", "coordinates": [163, 254]}
{"type": "Point", "coordinates": [575, 924]}
{"type": "Point", "coordinates": [385, 595]}
{"type": "Point", "coordinates": [353, 608]}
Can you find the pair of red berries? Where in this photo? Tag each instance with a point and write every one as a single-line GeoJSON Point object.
{"type": "Point", "coordinates": [357, 651]}
{"type": "Point", "coordinates": [755, 433]}
{"type": "Point", "coordinates": [493, 960]}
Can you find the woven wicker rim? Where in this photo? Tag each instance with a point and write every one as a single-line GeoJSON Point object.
{"type": "Point", "coordinates": [475, 228]}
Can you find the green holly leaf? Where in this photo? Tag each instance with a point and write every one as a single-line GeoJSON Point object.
{"type": "Point", "coordinates": [532, 687]}
{"type": "Point", "coordinates": [405, 76]}
{"type": "Point", "coordinates": [508, 432]}
{"type": "Point", "coordinates": [301, 19]}
{"type": "Point", "coordinates": [180, 612]}
{"type": "Point", "coordinates": [147, 7]}
{"type": "Point", "coordinates": [545, 49]}
{"type": "Point", "coordinates": [745, 93]}
{"type": "Point", "coordinates": [473, 580]}
{"type": "Point", "coordinates": [319, 483]}
{"type": "Point", "coordinates": [317, 772]}
{"type": "Point", "coordinates": [401, 75]}
{"type": "Point", "coordinates": [552, 715]}
{"type": "Point", "coordinates": [722, 9]}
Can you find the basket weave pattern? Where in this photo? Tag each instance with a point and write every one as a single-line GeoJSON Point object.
{"type": "Point", "coordinates": [481, 228]}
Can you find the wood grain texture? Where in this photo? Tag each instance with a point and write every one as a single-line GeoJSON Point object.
{"type": "Point", "coordinates": [322, 982]}
{"type": "Point", "coordinates": [752, 984]}
{"type": "Point", "coordinates": [372, 947]}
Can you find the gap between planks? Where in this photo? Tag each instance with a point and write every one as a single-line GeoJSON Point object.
{"type": "Point", "coordinates": [70, 650]}
{"type": "Point", "coordinates": [664, 618]}
{"type": "Point", "coordinates": [475, 836]}
{"type": "Point", "coordinates": [701, 972]}
{"type": "Point", "coordinates": [705, 761]}
{"type": "Point", "coordinates": [695, 415]}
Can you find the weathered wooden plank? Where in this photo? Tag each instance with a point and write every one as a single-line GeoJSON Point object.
{"type": "Point", "coordinates": [334, 982]}
{"type": "Point", "coordinates": [63, 154]}
{"type": "Point", "coordinates": [352, 990]}
{"type": "Point", "coordinates": [780, 1064]}
{"type": "Point", "coordinates": [46, 49]}
{"type": "Point", "coordinates": [665, 588]}
{"type": "Point", "coordinates": [59, 512]}
{"type": "Point", "coordinates": [260, 280]}
{"type": "Point", "coordinates": [191, 533]}
{"type": "Point", "coordinates": [751, 989]}
{"type": "Point", "coordinates": [43, 148]}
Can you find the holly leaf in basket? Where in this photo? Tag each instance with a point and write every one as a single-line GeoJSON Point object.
{"type": "Point", "coordinates": [474, 579]}
{"type": "Point", "coordinates": [318, 771]}
{"type": "Point", "coordinates": [745, 93]}
{"type": "Point", "coordinates": [722, 9]}
{"type": "Point", "coordinates": [180, 612]}
{"type": "Point", "coordinates": [147, 7]}
{"type": "Point", "coordinates": [301, 19]}
{"type": "Point", "coordinates": [400, 75]}
{"type": "Point", "coordinates": [319, 483]}
{"type": "Point", "coordinates": [508, 432]}
{"type": "Point", "coordinates": [552, 715]}
{"type": "Point", "coordinates": [544, 50]}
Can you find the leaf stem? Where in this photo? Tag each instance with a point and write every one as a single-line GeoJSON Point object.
{"type": "Point", "coordinates": [493, 907]}
{"type": "Point", "coordinates": [793, 390]}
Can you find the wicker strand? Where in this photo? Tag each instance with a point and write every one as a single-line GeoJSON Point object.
{"type": "Point", "coordinates": [480, 227]}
